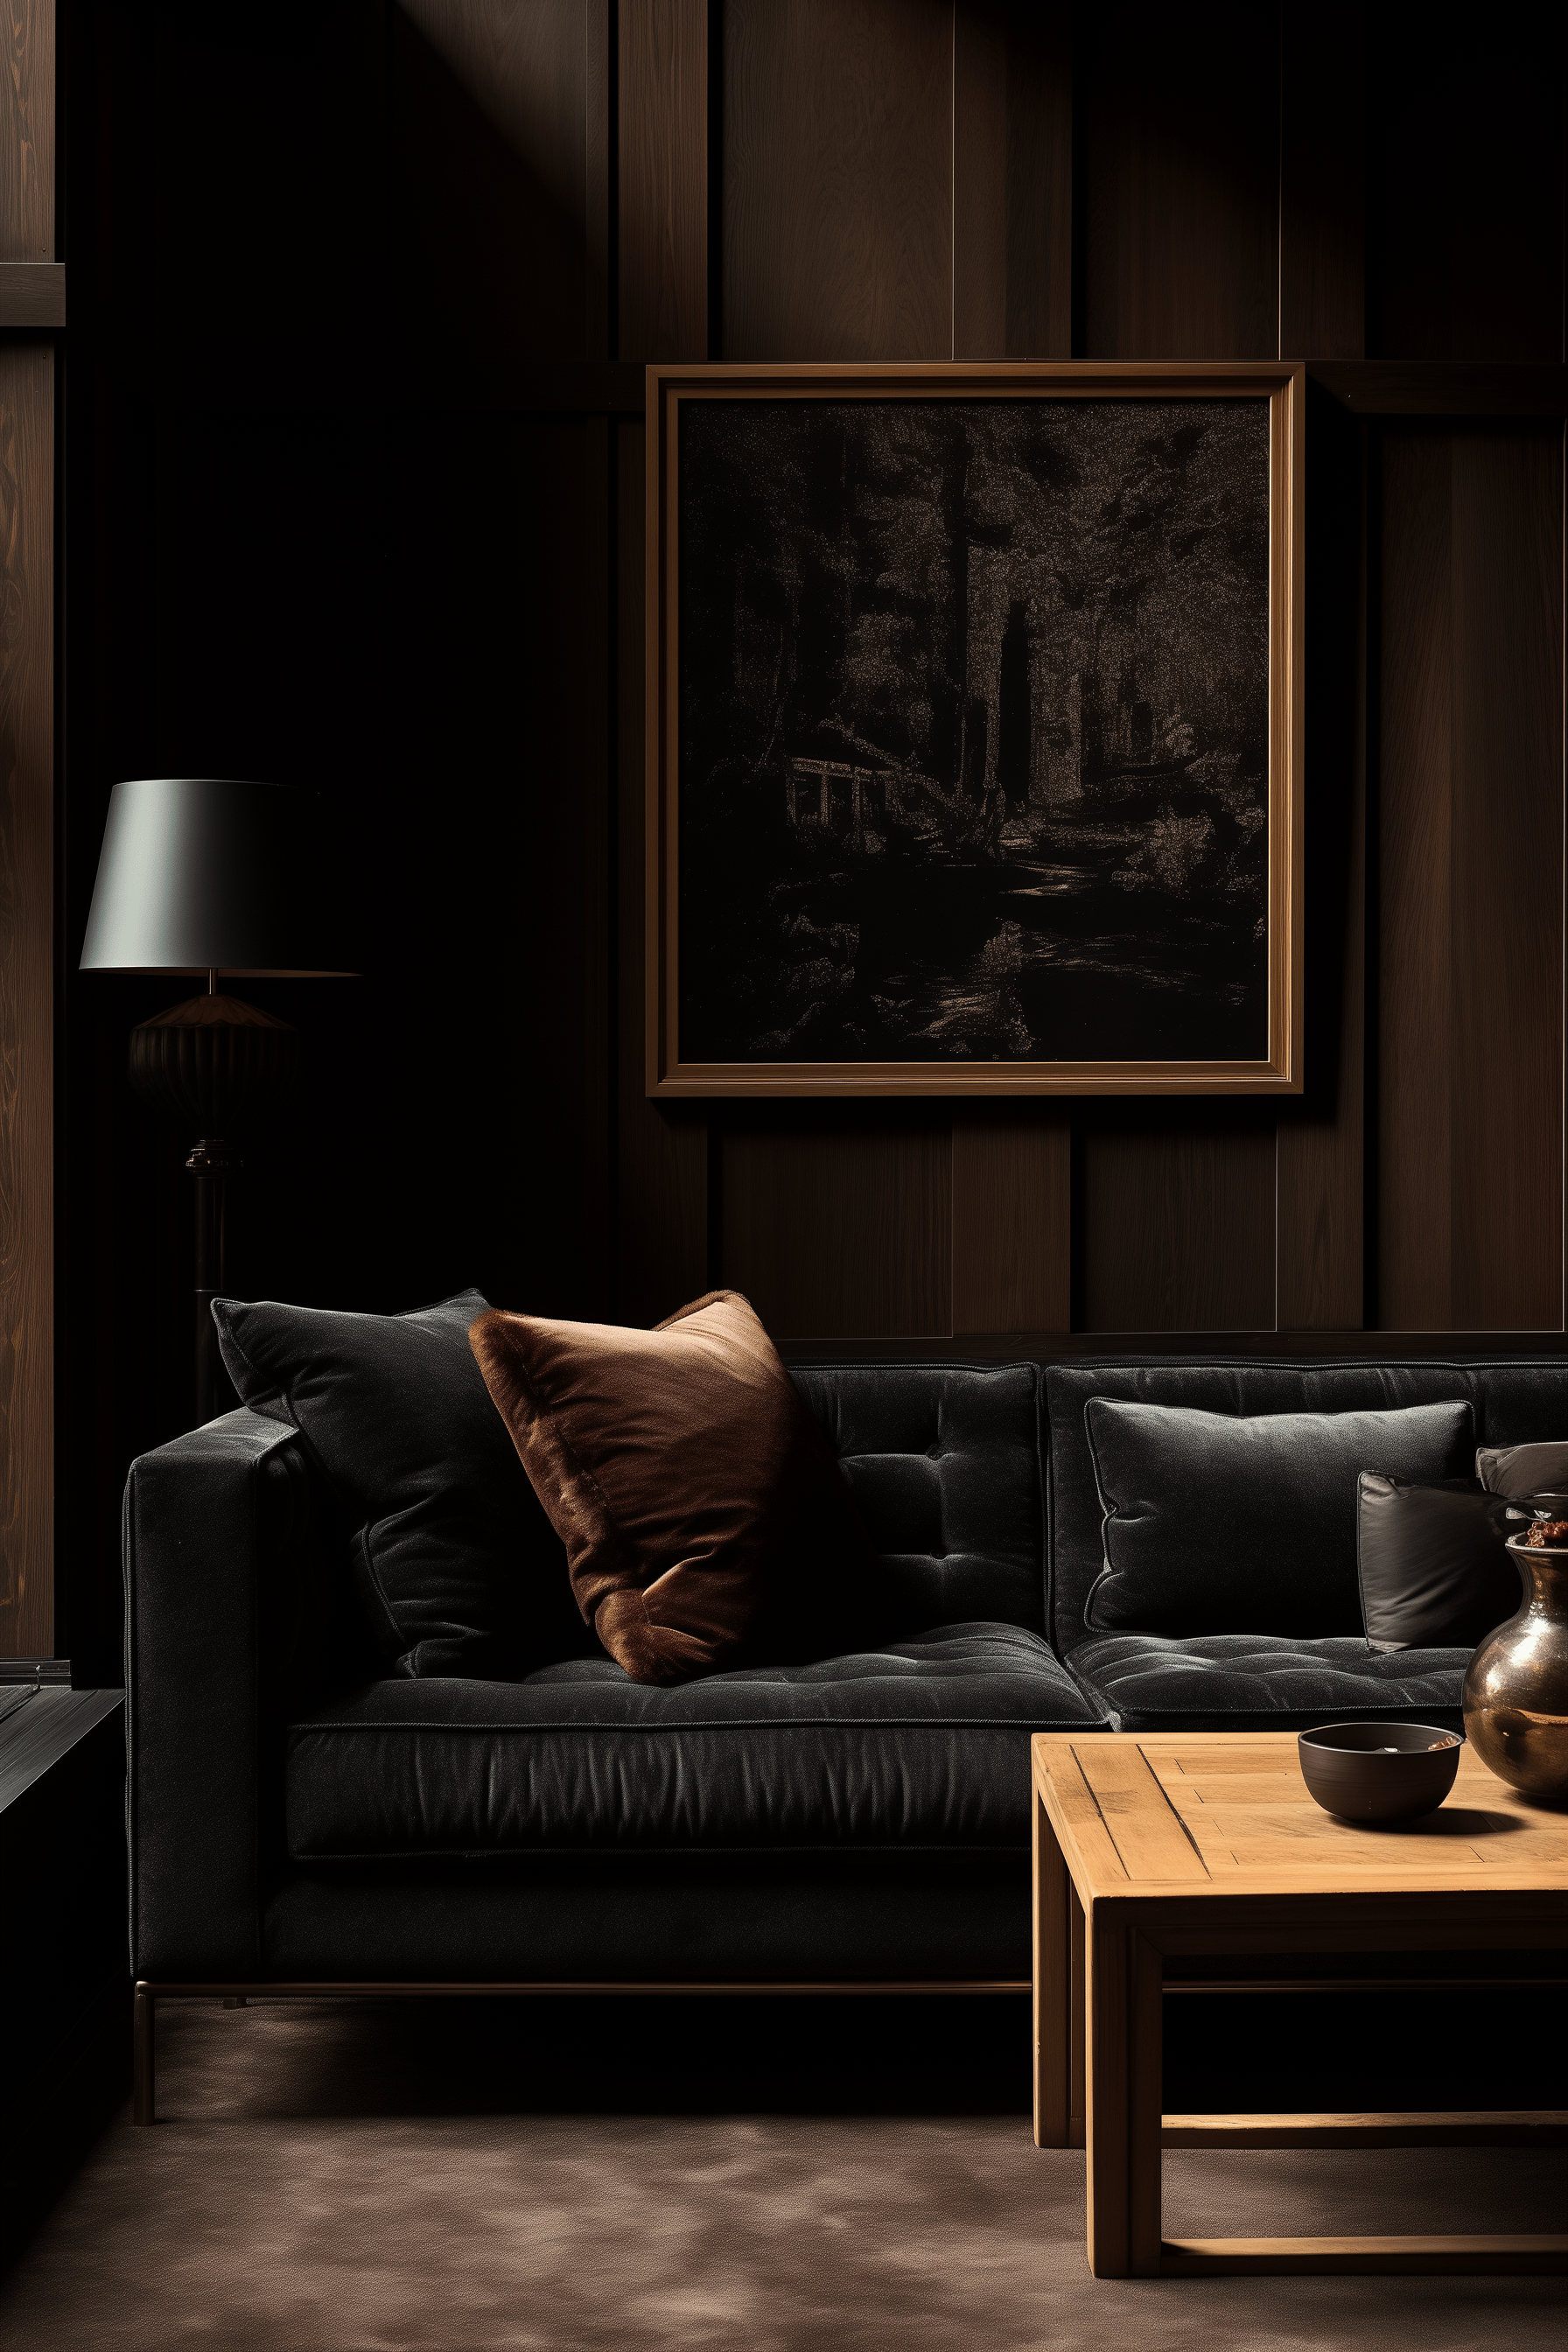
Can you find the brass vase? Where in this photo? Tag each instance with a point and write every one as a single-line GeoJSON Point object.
{"type": "Point", "coordinates": [1516, 1687]}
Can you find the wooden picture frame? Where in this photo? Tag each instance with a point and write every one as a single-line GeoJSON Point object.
{"type": "Point", "coordinates": [1070, 476]}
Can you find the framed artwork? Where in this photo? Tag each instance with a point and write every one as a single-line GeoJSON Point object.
{"type": "Point", "coordinates": [974, 729]}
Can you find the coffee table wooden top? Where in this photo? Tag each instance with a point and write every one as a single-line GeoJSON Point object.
{"type": "Point", "coordinates": [1227, 1813]}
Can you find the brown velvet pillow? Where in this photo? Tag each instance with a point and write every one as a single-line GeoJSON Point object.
{"type": "Point", "coordinates": [705, 1520]}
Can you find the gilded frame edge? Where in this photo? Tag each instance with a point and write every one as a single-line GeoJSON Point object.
{"type": "Point", "coordinates": [667, 1077]}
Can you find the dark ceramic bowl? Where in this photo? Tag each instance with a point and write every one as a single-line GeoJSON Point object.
{"type": "Point", "coordinates": [1378, 1771]}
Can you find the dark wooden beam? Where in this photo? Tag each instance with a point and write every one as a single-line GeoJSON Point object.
{"type": "Point", "coordinates": [1444, 388]}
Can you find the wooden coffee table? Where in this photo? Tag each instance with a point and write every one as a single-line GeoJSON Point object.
{"type": "Point", "coordinates": [1208, 1844]}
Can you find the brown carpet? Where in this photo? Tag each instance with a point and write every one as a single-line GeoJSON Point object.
{"type": "Point", "coordinates": [387, 2176]}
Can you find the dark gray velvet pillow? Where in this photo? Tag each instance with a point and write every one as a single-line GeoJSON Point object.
{"type": "Point", "coordinates": [1523, 1469]}
{"type": "Point", "coordinates": [1216, 1523]}
{"type": "Point", "coordinates": [458, 1567]}
{"type": "Point", "coordinates": [1435, 1573]}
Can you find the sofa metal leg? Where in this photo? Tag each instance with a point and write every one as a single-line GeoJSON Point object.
{"type": "Point", "coordinates": [143, 2091]}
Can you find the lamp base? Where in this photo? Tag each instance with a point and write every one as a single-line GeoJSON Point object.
{"type": "Point", "coordinates": [214, 1063]}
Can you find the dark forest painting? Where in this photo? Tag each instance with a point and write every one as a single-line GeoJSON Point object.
{"type": "Point", "coordinates": [973, 730]}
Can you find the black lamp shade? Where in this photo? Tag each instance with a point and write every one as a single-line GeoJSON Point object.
{"type": "Point", "coordinates": [204, 874]}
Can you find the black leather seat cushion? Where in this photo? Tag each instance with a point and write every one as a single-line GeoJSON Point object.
{"type": "Point", "coordinates": [1263, 1682]}
{"type": "Point", "coordinates": [921, 1744]}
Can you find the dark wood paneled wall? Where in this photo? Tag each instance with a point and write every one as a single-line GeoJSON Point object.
{"type": "Point", "coordinates": [396, 547]}
{"type": "Point", "coordinates": [26, 840]}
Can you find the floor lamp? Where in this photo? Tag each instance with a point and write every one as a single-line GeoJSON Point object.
{"type": "Point", "coordinates": [221, 880]}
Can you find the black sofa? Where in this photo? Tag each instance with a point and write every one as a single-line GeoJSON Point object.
{"type": "Point", "coordinates": [296, 1817]}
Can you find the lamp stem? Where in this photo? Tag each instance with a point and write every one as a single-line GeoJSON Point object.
{"type": "Point", "coordinates": [210, 1163]}
{"type": "Point", "coordinates": [212, 981]}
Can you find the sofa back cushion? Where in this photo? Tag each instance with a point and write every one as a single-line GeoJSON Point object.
{"type": "Point", "coordinates": [1518, 1401]}
{"type": "Point", "coordinates": [1220, 1523]}
{"type": "Point", "coordinates": [943, 1463]}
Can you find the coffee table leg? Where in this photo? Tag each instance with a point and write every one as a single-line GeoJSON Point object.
{"type": "Point", "coordinates": [1053, 2006]}
{"type": "Point", "coordinates": [1078, 1951]}
{"type": "Point", "coordinates": [1122, 2167]}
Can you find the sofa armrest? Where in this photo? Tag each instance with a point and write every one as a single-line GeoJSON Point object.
{"type": "Point", "coordinates": [212, 1523]}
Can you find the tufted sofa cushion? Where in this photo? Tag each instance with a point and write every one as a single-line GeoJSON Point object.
{"type": "Point", "coordinates": [1250, 1682]}
{"type": "Point", "coordinates": [944, 1461]}
{"type": "Point", "coordinates": [923, 1744]}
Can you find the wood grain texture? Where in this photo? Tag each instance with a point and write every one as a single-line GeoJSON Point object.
{"type": "Point", "coordinates": [838, 136]}
{"type": "Point", "coordinates": [1322, 184]}
{"type": "Point", "coordinates": [27, 1000]}
{"type": "Point", "coordinates": [27, 130]}
{"type": "Point", "coordinates": [1179, 180]}
{"type": "Point", "coordinates": [1464, 187]}
{"type": "Point", "coordinates": [600, 68]}
{"type": "Point", "coordinates": [663, 179]}
{"type": "Point", "coordinates": [1176, 1209]}
{"type": "Point", "coordinates": [32, 294]}
{"type": "Point", "coordinates": [1371, 2257]}
{"type": "Point", "coordinates": [1415, 1217]}
{"type": "Point", "coordinates": [1542, 2127]}
{"type": "Point", "coordinates": [834, 1224]}
{"type": "Point", "coordinates": [1470, 1008]}
{"type": "Point", "coordinates": [1052, 1986]}
{"type": "Point", "coordinates": [1506, 1026]}
{"type": "Point", "coordinates": [1320, 1166]}
{"type": "Point", "coordinates": [1211, 1842]}
{"type": "Point", "coordinates": [1012, 1218]}
{"type": "Point", "coordinates": [1012, 180]}
{"type": "Point", "coordinates": [661, 1151]}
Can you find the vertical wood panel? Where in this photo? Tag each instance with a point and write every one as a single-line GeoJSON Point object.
{"type": "Point", "coordinates": [1179, 183]}
{"type": "Point", "coordinates": [663, 215]}
{"type": "Point", "coordinates": [1180, 177]}
{"type": "Point", "coordinates": [1319, 1169]}
{"type": "Point", "coordinates": [838, 180]}
{"type": "Point", "coordinates": [27, 131]}
{"type": "Point", "coordinates": [1507, 1015]}
{"type": "Point", "coordinates": [1415, 937]}
{"type": "Point", "coordinates": [1470, 826]}
{"type": "Point", "coordinates": [661, 1159]}
{"type": "Point", "coordinates": [599, 68]}
{"type": "Point", "coordinates": [1012, 1218]}
{"type": "Point", "coordinates": [1323, 177]}
{"type": "Point", "coordinates": [1012, 180]}
{"type": "Point", "coordinates": [27, 1000]}
{"type": "Point", "coordinates": [1465, 230]}
{"type": "Point", "coordinates": [835, 1230]}
{"type": "Point", "coordinates": [487, 135]}
{"type": "Point", "coordinates": [1319, 1172]}
{"type": "Point", "coordinates": [1176, 1205]}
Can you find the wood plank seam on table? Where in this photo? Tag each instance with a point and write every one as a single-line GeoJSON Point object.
{"type": "Point", "coordinates": [1150, 1843]}
{"type": "Point", "coordinates": [1080, 1827]}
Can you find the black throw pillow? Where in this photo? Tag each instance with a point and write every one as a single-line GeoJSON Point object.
{"type": "Point", "coordinates": [461, 1569]}
{"type": "Point", "coordinates": [1223, 1523]}
{"type": "Point", "coordinates": [1435, 1574]}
